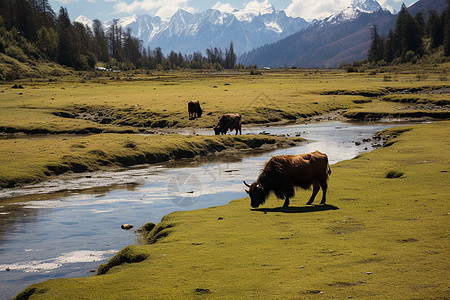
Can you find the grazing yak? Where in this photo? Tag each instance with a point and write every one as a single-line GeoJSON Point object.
{"type": "Point", "coordinates": [282, 173]}
{"type": "Point", "coordinates": [194, 109]}
{"type": "Point", "coordinates": [228, 122]}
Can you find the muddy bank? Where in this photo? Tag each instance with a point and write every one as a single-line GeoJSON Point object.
{"type": "Point", "coordinates": [405, 115]}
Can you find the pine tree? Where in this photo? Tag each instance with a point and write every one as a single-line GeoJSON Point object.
{"type": "Point", "coordinates": [420, 20]}
{"type": "Point", "coordinates": [389, 47]}
{"type": "Point", "coordinates": [407, 33]}
{"type": "Point", "coordinates": [435, 30]}
{"type": "Point", "coordinates": [4, 11]}
{"type": "Point", "coordinates": [114, 36]}
{"type": "Point", "coordinates": [66, 46]}
{"type": "Point", "coordinates": [7, 9]}
{"type": "Point", "coordinates": [47, 16]}
{"type": "Point", "coordinates": [375, 53]}
{"type": "Point", "coordinates": [100, 43]}
{"type": "Point", "coordinates": [446, 22]}
{"type": "Point", "coordinates": [159, 56]}
{"type": "Point", "coordinates": [131, 49]}
{"type": "Point", "coordinates": [230, 57]}
{"type": "Point", "coordinates": [47, 42]}
{"type": "Point", "coordinates": [26, 19]}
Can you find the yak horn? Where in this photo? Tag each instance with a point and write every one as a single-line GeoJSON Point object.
{"type": "Point", "coordinates": [248, 185]}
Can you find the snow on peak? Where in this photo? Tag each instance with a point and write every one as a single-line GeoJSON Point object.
{"type": "Point", "coordinates": [273, 26]}
{"type": "Point", "coordinates": [84, 20]}
{"type": "Point", "coordinates": [124, 22]}
{"type": "Point", "coordinates": [367, 6]}
{"type": "Point", "coordinates": [353, 11]}
{"type": "Point", "coordinates": [254, 8]}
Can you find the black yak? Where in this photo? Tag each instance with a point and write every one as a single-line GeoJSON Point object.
{"type": "Point", "coordinates": [194, 109]}
{"type": "Point", "coordinates": [228, 122]}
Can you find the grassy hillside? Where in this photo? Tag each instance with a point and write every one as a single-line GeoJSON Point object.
{"type": "Point", "coordinates": [383, 235]}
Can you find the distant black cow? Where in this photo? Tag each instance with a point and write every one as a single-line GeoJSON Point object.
{"type": "Point", "coordinates": [284, 172]}
{"type": "Point", "coordinates": [228, 122]}
{"type": "Point", "coordinates": [194, 109]}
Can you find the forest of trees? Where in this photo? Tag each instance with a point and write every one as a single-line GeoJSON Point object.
{"type": "Point", "coordinates": [30, 28]}
{"type": "Point", "coordinates": [407, 41]}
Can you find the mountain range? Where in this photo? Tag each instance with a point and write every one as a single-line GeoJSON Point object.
{"type": "Point", "coordinates": [334, 40]}
{"type": "Point", "coordinates": [352, 12]}
{"type": "Point", "coordinates": [267, 37]}
{"type": "Point", "coordinates": [188, 32]}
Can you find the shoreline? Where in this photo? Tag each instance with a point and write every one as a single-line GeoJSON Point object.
{"type": "Point", "coordinates": [132, 151]}
{"type": "Point", "coordinates": [151, 159]}
{"type": "Point", "coordinates": [429, 114]}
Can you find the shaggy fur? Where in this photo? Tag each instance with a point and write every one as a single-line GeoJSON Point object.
{"type": "Point", "coordinates": [282, 173]}
{"type": "Point", "coordinates": [228, 122]}
{"type": "Point", "coordinates": [194, 109]}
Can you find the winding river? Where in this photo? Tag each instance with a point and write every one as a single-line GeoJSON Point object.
{"type": "Point", "coordinates": [68, 226]}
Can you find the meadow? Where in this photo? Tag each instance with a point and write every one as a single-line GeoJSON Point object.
{"type": "Point", "coordinates": [125, 105]}
{"type": "Point", "coordinates": [141, 102]}
{"type": "Point", "coordinates": [383, 235]}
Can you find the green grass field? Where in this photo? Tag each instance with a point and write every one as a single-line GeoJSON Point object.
{"type": "Point", "coordinates": [383, 235]}
{"type": "Point", "coordinates": [129, 104]}
{"type": "Point", "coordinates": [139, 103]}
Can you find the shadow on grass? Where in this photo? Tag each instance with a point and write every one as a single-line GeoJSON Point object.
{"type": "Point", "coordinates": [298, 210]}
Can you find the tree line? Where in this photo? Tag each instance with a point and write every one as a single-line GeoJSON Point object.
{"type": "Point", "coordinates": [411, 38]}
{"type": "Point", "coordinates": [30, 28]}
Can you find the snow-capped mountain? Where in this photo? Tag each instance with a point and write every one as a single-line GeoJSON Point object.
{"type": "Point", "coordinates": [253, 9]}
{"type": "Point", "coordinates": [84, 20]}
{"type": "Point", "coordinates": [188, 32]}
{"type": "Point", "coordinates": [353, 11]}
{"type": "Point", "coordinates": [342, 37]}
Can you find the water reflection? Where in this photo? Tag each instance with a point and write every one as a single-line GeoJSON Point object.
{"type": "Point", "coordinates": [68, 226]}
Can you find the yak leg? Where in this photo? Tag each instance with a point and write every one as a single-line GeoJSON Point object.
{"type": "Point", "coordinates": [316, 188]}
{"type": "Point", "coordinates": [286, 202]}
{"type": "Point", "coordinates": [324, 187]}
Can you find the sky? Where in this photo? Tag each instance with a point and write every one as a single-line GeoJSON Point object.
{"type": "Point", "coordinates": [105, 10]}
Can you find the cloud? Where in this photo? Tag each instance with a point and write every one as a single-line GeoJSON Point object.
{"type": "Point", "coordinates": [317, 9]}
{"type": "Point", "coordinates": [258, 7]}
{"type": "Point", "coordinates": [162, 8]}
{"type": "Point", "coordinates": [223, 7]}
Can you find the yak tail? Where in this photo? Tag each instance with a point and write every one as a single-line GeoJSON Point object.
{"type": "Point", "coordinates": [329, 169]}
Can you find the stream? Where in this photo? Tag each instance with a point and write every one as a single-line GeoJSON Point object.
{"type": "Point", "coordinates": [68, 226]}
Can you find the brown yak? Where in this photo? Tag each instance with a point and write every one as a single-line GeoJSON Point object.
{"type": "Point", "coordinates": [194, 109]}
{"type": "Point", "coordinates": [282, 173]}
{"type": "Point", "coordinates": [228, 122]}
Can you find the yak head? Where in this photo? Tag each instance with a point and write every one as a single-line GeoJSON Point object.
{"type": "Point", "coordinates": [256, 193]}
